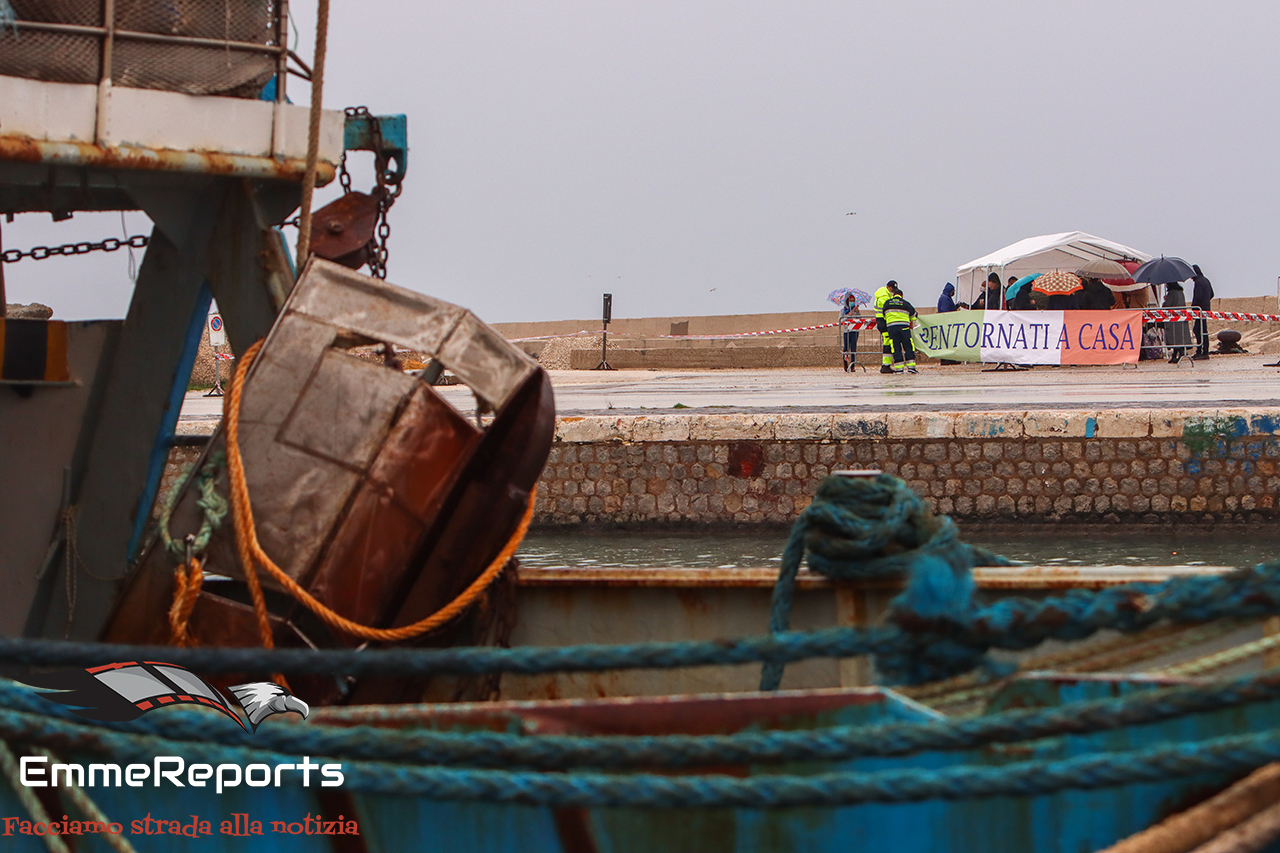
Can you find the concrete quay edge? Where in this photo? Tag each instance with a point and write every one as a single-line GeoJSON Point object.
{"type": "Point", "coordinates": [1206, 424]}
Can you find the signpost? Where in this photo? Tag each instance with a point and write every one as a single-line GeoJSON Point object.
{"type": "Point", "coordinates": [217, 338]}
{"type": "Point", "coordinates": [604, 334]}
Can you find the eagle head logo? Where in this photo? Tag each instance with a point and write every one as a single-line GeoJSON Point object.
{"type": "Point", "coordinates": [261, 699]}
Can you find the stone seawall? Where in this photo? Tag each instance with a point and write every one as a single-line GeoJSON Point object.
{"type": "Point", "coordinates": [1148, 466]}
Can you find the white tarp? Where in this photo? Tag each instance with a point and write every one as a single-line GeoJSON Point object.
{"type": "Point", "coordinates": [1067, 251]}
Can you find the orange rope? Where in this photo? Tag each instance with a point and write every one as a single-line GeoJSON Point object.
{"type": "Point", "coordinates": [252, 555]}
{"type": "Point", "coordinates": [185, 592]}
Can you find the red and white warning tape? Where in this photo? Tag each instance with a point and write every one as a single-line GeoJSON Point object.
{"type": "Point", "coordinates": [1186, 314]}
{"type": "Point", "coordinates": [549, 337]}
{"type": "Point", "coordinates": [749, 334]}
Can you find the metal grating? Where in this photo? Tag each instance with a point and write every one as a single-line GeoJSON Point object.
{"type": "Point", "coordinates": [62, 41]}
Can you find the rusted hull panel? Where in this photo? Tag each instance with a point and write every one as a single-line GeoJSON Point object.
{"type": "Point", "coordinates": [43, 152]}
{"type": "Point", "coordinates": [565, 607]}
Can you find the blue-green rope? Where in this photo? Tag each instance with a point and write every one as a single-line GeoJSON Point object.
{"type": "Point", "coordinates": [836, 743]}
{"type": "Point", "coordinates": [1223, 755]}
{"type": "Point", "coordinates": [863, 528]}
{"type": "Point", "coordinates": [858, 528]}
{"type": "Point", "coordinates": [213, 507]}
{"type": "Point", "coordinates": [1013, 624]}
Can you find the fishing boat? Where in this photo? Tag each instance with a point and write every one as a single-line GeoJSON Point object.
{"type": "Point", "coordinates": [349, 533]}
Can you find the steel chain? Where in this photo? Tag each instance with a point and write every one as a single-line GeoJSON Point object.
{"type": "Point", "coordinates": [40, 253]}
{"type": "Point", "coordinates": [376, 248]}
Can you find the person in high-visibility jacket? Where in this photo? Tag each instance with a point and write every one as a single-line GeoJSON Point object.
{"type": "Point", "coordinates": [886, 345]}
{"type": "Point", "coordinates": [898, 313]}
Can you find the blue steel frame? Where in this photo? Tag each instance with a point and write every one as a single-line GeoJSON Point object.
{"type": "Point", "coordinates": [168, 427]}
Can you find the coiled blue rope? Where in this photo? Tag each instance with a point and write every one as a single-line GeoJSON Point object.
{"type": "Point", "coordinates": [861, 528]}
{"type": "Point", "coordinates": [858, 528]}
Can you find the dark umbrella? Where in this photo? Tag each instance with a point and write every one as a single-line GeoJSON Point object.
{"type": "Point", "coordinates": [1162, 270]}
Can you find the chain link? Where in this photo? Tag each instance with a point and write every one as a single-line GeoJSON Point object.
{"type": "Point", "coordinates": [376, 248]}
{"type": "Point", "coordinates": [40, 253]}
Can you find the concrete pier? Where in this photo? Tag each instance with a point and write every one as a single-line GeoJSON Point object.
{"type": "Point", "coordinates": [1154, 444]}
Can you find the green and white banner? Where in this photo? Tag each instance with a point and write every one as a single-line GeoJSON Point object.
{"type": "Point", "coordinates": [1032, 337]}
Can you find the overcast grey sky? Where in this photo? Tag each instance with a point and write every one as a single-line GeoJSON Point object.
{"type": "Point", "coordinates": [701, 157]}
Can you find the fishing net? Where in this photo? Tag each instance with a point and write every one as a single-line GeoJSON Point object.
{"type": "Point", "coordinates": [193, 69]}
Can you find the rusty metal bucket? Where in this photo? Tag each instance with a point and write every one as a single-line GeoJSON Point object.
{"type": "Point", "coordinates": [369, 489]}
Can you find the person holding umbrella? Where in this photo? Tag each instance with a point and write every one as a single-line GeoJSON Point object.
{"type": "Point", "coordinates": [1176, 334]}
{"type": "Point", "coordinates": [849, 298]}
{"type": "Point", "coordinates": [1060, 288]}
{"type": "Point", "coordinates": [1202, 298]}
{"type": "Point", "coordinates": [1170, 272]}
{"type": "Point", "coordinates": [1018, 296]}
{"type": "Point", "coordinates": [848, 334]}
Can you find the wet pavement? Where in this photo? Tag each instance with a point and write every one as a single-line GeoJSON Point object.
{"type": "Point", "coordinates": [1225, 381]}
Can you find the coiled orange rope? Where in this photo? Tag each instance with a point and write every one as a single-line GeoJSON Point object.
{"type": "Point", "coordinates": [252, 555]}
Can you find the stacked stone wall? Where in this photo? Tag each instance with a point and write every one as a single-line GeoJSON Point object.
{"type": "Point", "coordinates": [1149, 466]}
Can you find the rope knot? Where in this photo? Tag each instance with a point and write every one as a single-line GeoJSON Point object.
{"type": "Point", "coordinates": [865, 528]}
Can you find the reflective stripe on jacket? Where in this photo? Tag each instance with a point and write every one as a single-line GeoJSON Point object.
{"type": "Point", "coordinates": [882, 296]}
{"type": "Point", "coordinates": [897, 311]}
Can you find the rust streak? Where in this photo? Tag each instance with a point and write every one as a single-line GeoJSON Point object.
{"type": "Point", "coordinates": [26, 150]}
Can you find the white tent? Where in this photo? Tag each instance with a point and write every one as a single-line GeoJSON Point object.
{"type": "Point", "coordinates": [1067, 252]}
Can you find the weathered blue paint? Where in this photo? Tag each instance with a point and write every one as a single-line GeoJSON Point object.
{"type": "Point", "coordinates": [1264, 425]}
{"type": "Point", "coordinates": [1090, 426]}
{"type": "Point", "coordinates": [389, 135]}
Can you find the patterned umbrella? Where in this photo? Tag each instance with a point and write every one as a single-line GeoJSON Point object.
{"type": "Point", "coordinates": [1057, 283]}
{"type": "Point", "coordinates": [860, 297]}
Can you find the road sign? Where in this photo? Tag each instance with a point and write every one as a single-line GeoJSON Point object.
{"type": "Point", "coordinates": [217, 332]}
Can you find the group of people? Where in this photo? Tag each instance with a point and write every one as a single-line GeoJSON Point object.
{"type": "Point", "coordinates": [1096, 296]}
{"type": "Point", "coordinates": [894, 315]}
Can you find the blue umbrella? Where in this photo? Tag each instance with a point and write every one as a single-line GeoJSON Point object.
{"type": "Point", "coordinates": [1162, 270]}
{"type": "Point", "coordinates": [860, 297]}
{"type": "Point", "coordinates": [1016, 287]}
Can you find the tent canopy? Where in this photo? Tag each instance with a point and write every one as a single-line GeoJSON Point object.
{"type": "Point", "coordinates": [1046, 253]}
